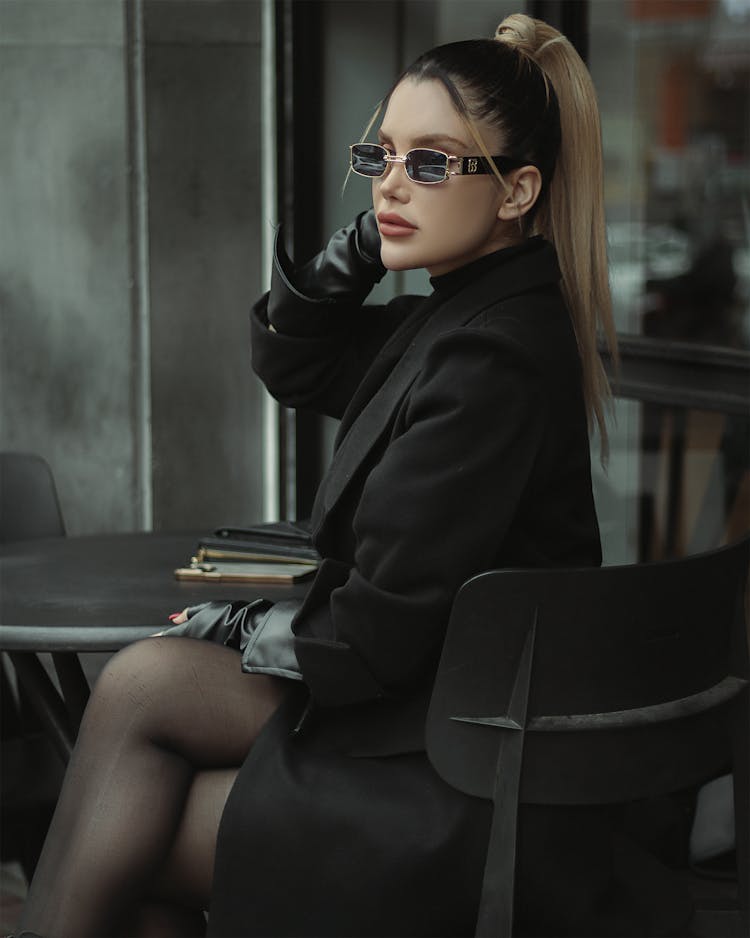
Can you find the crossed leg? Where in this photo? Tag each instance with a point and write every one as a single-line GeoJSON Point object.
{"type": "Point", "coordinates": [131, 846]}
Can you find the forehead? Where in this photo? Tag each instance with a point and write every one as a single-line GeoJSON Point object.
{"type": "Point", "coordinates": [422, 113]}
{"type": "Point", "coordinates": [422, 109]}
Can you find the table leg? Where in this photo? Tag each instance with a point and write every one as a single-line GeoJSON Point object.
{"type": "Point", "coordinates": [74, 686]}
{"type": "Point", "coordinates": [46, 701]}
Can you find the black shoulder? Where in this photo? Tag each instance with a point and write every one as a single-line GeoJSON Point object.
{"type": "Point", "coordinates": [539, 321]}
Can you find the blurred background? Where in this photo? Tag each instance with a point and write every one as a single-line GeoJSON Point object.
{"type": "Point", "coordinates": [150, 147]}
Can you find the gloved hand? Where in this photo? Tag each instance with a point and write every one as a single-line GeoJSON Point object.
{"type": "Point", "coordinates": [260, 630]}
{"type": "Point", "coordinates": [346, 269]}
{"type": "Point", "coordinates": [227, 623]}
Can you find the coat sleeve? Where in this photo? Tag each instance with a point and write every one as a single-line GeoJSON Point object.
{"type": "Point", "coordinates": [321, 357]}
{"type": "Point", "coordinates": [433, 512]}
{"type": "Point", "coordinates": [312, 336]}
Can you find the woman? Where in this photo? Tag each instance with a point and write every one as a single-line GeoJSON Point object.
{"type": "Point", "coordinates": [463, 445]}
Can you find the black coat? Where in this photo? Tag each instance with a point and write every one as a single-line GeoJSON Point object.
{"type": "Point", "coordinates": [463, 446]}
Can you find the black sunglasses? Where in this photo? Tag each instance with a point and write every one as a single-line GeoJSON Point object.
{"type": "Point", "coordinates": [424, 165]}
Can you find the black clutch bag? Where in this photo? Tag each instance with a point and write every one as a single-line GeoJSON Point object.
{"type": "Point", "coordinates": [280, 541]}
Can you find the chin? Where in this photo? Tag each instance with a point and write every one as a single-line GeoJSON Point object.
{"type": "Point", "coordinates": [394, 259]}
{"type": "Point", "coordinates": [399, 265]}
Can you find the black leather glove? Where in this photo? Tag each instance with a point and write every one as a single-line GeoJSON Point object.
{"type": "Point", "coordinates": [346, 269]}
{"type": "Point", "coordinates": [349, 265]}
{"type": "Point", "coordinates": [260, 630]}
{"type": "Point", "coordinates": [227, 623]}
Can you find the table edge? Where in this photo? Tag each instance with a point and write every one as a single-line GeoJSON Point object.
{"type": "Point", "coordinates": [71, 638]}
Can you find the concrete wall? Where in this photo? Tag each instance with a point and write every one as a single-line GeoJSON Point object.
{"type": "Point", "coordinates": [129, 370]}
{"type": "Point", "coordinates": [65, 316]}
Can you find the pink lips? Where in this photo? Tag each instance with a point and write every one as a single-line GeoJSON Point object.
{"type": "Point", "coordinates": [394, 226]}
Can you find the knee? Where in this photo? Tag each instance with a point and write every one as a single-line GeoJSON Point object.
{"type": "Point", "coordinates": [130, 678]}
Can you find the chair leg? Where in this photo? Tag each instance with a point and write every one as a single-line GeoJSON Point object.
{"type": "Point", "coordinates": [495, 918]}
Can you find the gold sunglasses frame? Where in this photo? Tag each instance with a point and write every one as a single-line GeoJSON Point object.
{"type": "Point", "coordinates": [467, 165]}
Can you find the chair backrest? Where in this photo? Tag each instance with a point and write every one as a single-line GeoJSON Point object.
{"type": "Point", "coordinates": [587, 686]}
{"type": "Point", "coordinates": [29, 507]}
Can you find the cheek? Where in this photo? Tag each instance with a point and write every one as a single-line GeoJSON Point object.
{"type": "Point", "coordinates": [454, 223]}
{"type": "Point", "coordinates": [468, 213]}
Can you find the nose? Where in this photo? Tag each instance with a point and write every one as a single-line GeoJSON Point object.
{"type": "Point", "coordinates": [394, 183]}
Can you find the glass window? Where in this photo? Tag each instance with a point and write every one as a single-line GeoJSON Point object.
{"type": "Point", "coordinates": [673, 79]}
{"type": "Point", "coordinates": [677, 481]}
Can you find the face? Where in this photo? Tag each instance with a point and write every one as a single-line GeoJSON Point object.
{"type": "Point", "coordinates": [446, 225]}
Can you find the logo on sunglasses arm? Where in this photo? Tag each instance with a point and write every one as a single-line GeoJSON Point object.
{"type": "Point", "coordinates": [473, 166]}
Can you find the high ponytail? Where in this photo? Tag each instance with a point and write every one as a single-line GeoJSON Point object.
{"type": "Point", "coordinates": [531, 84]}
{"type": "Point", "coordinates": [572, 215]}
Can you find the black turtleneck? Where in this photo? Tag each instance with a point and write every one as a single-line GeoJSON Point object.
{"type": "Point", "coordinates": [455, 280]}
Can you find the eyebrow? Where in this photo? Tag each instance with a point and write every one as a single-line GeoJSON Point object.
{"type": "Point", "coordinates": [430, 140]}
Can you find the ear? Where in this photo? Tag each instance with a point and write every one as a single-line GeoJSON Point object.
{"type": "Point", "coordinates": [525, 185]}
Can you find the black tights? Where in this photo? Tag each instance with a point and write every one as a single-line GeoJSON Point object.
{"type": "Point", "coordinates": [131, 847]}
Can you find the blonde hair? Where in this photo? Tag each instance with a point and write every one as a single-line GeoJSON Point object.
{"type": "Point", "coordinates": [572, 215]}
{"type": "Point", "coordinates": [531, 84]}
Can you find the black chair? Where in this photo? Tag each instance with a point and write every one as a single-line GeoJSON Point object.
{"type": "Point", "coordinates": [29, 506]}
{"type": "Point", "coordinates": [594, 686]}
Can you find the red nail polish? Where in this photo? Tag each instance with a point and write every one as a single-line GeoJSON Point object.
{"type": "Point", "coordinates": [173, 616]}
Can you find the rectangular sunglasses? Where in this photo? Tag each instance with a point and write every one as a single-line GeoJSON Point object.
{"type": "Point", "coordinates": [424, 165]}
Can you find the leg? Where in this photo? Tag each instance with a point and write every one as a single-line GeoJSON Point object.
{"type": "Point", "coordinates": [175, 903]}
{"type": "Point", "coordinates": [161, 710]}
{"type": "Point", "coordinates": [186, 876]}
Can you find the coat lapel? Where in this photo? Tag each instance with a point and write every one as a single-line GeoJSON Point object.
{"type": "Point", "coordinates": [385, 361]}
{"type": "Point", "coordinates": [531, 269]}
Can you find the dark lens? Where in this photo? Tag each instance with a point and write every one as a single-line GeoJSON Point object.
{"type": "Point", "coordinates": [368, 159]}
{"type": "Point", "coordinates": [426, 165]}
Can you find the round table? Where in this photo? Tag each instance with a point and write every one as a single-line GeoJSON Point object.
{"type": "Point", "coordinates": [67, 595]}
{"type": "Point", "coordinates": [101, 592]}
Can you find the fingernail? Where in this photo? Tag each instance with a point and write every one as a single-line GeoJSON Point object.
{"type": "Point", "coordinates": [173, 616]}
